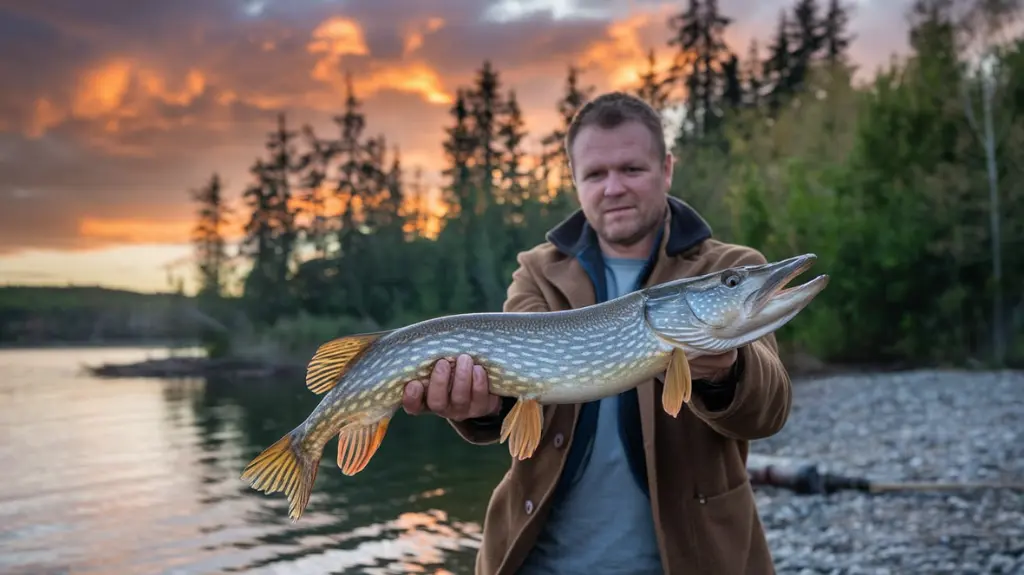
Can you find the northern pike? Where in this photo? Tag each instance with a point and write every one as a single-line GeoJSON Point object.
{"type": "Point", "coordinates": [538, 358]}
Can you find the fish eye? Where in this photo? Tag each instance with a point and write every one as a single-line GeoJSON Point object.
{"type": "Point", "coordinates": [731, 279]}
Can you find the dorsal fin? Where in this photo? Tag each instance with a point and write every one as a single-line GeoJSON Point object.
{"type": "Point", "coordinates": [333, 358]}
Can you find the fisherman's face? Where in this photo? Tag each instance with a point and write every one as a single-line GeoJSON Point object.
{"type": "Point", "coordinates": [621, 181]}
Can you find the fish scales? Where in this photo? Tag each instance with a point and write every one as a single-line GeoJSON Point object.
{"type": "Point", "coordinates": [561, 357]}
{"type": "Point", "coordinates": [604, 344]}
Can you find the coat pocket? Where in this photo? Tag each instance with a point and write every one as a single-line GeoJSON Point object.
{"type": "Point", "coordinates": [729, 532]}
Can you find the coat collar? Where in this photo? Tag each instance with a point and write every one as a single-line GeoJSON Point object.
{"type": "Point", "coordinates": [686, 230]}
{"type": "Point", "coordinates": [575, 238]}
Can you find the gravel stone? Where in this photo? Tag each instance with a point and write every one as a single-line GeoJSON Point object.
{"type": "Point", "coordinates": [922, 426]}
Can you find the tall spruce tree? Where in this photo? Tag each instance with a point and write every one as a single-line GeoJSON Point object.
{"type": "Point", "coordinates": [655, 87]}
{"type": "Point", "coordinates": [698, 35]}
{"type": "Point", "coordinates": [835, 37]}
{"type": "Point", "coordinates": [208, 237]}
{"type": "Point", "coordinates": [778, 66]}
{"type": "Point", "coordinates": [806, 38]}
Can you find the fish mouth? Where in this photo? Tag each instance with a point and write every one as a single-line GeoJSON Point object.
{"type": "Point", "coordinates": [774, 289]}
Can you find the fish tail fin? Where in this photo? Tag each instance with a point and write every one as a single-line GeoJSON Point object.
{"type": "Point", "coordinates": [285, 466]}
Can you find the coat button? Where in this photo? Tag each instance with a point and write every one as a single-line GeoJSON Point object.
{"type": "Point", "coordinates": [702, 499]}
{"type": "Point", "coordinates": [559, 439]}
{"type": "Point", "coordinates": [529, 507]}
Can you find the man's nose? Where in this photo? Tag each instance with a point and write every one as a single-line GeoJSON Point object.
{"type": "Point", "coordinates": [614, 184]}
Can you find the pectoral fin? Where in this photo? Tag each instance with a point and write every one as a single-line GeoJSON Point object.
{"type": "Point", "coordinates": [333, 358]}
{"type": "Point", "coordinates": [678, 383]}
{"type": "Point", "coordinates": [522, 427]}
{"type": "Point", "coordinates": [358, 443]}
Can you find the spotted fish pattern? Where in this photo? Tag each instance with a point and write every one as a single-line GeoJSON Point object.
{"type": "Point", "coordinates": [553, 357]}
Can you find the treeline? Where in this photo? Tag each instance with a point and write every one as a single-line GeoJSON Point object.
{"type": "Point", "coordinates": [91, 315]}
{"type": "Point", "coordinates": [889, 182]}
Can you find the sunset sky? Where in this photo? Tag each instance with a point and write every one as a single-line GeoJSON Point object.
{"type": "Point", "coordinates": [111, 110]}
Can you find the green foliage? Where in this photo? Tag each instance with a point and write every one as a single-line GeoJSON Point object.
{"type": "Point", "coordinates": [295, 337]}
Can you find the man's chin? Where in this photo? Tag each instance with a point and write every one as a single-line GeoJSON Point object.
{"type": "Point", "coordinates": [625, 233]}
{"type": "Point", "coordinates": [621, 235]}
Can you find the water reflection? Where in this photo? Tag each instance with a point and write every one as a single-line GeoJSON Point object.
{"type": "Point", "coordinates": [141, 476]}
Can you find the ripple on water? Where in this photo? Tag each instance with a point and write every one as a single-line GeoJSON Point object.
{"type": "Point", "coordinates": [141, 476]}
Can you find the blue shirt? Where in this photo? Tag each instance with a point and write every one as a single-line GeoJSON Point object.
{"type": "Point", "coordinates": [604, 523]}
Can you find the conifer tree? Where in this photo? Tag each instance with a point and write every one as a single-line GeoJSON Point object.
{"type": "Point", "coordinates": [655, 88]}
{"type": "Point", "coordinates": [698, 35]}
{"type": "Point", "coordinates": [208, 237]}
{"type": "Point", "coordinates": [807, 40]}
{"type": "Point", "coordinates": [778, 65]}
{"type": "Point", "coordinates": [835, 38]}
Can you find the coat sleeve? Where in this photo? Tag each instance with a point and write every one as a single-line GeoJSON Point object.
{"type": "Point", "coordinates": [523, 295]}
{"type": "Point", "coordinates": [754, 400]}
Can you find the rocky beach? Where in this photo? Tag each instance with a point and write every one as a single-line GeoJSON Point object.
{"type": "Point", "coordinates": [919, 426]}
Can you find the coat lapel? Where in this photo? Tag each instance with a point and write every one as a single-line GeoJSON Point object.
{"type": "Point", "coordinates": [647, 392]}
{"type": "Point", "coordinates": [667, 267]}
{"type": "Point", "coordinates": [568, 276]}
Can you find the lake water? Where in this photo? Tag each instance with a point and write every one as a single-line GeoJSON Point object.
{"type": "Point", "coordinates": [135, 476]}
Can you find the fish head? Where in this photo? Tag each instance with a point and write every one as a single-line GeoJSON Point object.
{"type": "Point", "coordinates": [727, 309]}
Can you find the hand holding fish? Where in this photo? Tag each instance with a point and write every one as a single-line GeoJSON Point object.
{"type": "Point", "coordinates": [468, 398]}
{"type": "Point", "coordinates": [713, 367]}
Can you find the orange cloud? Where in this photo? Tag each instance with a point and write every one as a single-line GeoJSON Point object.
{"type": "Point", "coordinates": [102, 90]}
{"type": "Point", "coordinates": [334, 39]}
{"type": "Point", "coordinates": [622, 56]}
{"type": "Point", "coordinates": [424, 213]}
{"type": "Point", "coordinates": [338, 38]}
{"type": "Point", "coordinates": [45, 115]}
{"type": "Point", "coordinates": [141, 230]}
{"type": "Point", "coordinates": [156, 85]}
{"type": "Point", "coordinates": [126, 94]}
{"type": "Point", "coordinates": [414, 37]}
{"type": "Point", "coordinates": [416, 78]}
{"type": "Point", "coordinates": [135, 231]}
{"type": "Point", "coordinates": [113, 92]}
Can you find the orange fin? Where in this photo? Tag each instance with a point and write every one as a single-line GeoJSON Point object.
{"type": "Point", "coordinates": [678, 383]}
{"type": "Point", "coordinates": [333, 358]}
{"type": "Point", "coordinates": [285, 467]}
{"type": "Point", "coordinates": [522, 427]}
{"type": "Point", "coordinates": [357, 444]}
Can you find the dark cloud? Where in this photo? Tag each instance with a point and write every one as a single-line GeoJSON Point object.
{"type": "Point", "coordinates": [459, 49]}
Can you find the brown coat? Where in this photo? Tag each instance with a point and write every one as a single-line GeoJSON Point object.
{"type": "Point", "coordinates": [701, 498]}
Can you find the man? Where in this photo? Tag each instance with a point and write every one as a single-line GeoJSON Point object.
{"type": "Point", "coordinates": [619, 486]}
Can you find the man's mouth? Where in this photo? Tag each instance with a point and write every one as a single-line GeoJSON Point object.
{"type": "Point", "coordinates": [618, 210]}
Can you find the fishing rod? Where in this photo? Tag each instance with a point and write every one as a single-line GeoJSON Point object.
{"type": "Point", "coordinates": [805, 477]}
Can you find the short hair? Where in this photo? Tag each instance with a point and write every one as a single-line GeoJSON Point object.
{"type": "Point", "coordinates": [611, 110]}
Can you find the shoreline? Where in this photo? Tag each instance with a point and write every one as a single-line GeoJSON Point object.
{"type": "Point", "coordinates": [100, 344]}
{"type": "Point", "coordinates": [190, 367]}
